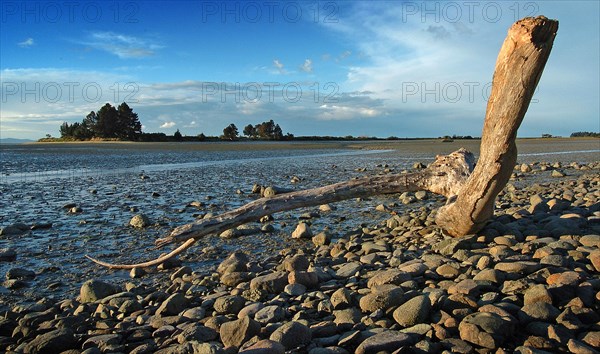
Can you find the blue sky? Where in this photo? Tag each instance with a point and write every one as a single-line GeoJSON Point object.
{"type": "Point", "coordinates": [361, 68]}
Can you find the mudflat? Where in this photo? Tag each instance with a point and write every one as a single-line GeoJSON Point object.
{"type": "Point", "coordinates": [365, 275]}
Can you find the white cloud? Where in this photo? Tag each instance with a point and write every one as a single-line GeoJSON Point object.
{"type": "Point", "coordinates": [167, 125]}
{"type": "Point", "coordinates": [36, 100]}
{"type": "Point", "coordinates": [345, 54]}
{"type": "Point", "coordinates": [27, 43]}
{"type": "Point", "coordinates": [338, 112]}
{"type": "Point", "coordinates": [279, 66]}
{"type": "Point", "coordinates": [121, 45]}
{"type": "Point", "coordinates": [307, 66]}
{"type": "Point", "coordinates": [439, 70]}
{"type": "Point", "coordinates": [414, 65]}
{"type": "Point", "coordinates": [400, 81]}
{"type": "Point", "coordinates": [200, 106]}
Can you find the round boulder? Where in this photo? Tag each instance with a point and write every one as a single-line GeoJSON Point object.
{"type": "Point", "coordinates": [292, 335]}
{"type": "Point", "coordinates": [94, 290]}
{"type": "Point", "coordinates": [485, 329]}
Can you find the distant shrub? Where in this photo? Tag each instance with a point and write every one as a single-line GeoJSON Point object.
{"type": "Point", "coordinates": [585, 134]}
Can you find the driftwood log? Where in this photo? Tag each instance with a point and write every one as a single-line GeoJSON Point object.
{"type": "Point", "coordinates": [471, 189]}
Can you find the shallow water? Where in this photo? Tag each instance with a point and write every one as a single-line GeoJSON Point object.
{"type": "Point", "coordinates": [104, 181]}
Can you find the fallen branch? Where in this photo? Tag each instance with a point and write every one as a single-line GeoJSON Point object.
{"type": "Point", "coordinates": [471, 191]}
{"type": "Point", "coordinates": [444, 177]}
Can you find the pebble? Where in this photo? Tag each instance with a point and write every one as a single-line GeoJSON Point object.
{"type": "Point", "coordinates": [485, 329]}
{"type": "Point", "coordinates": [527, 283]}
{"type": "Point", "coordinates": [265, 346]}
{"type": "Point", "coordinates": [387, 341]}
{"type": "Point", "coordinates": [321, 239]}
{"type": "Point", "coordinates": [173, 305]}
{"type": "Point", "coordinates": [341, 298]}
{"type": "Point", "coordinates": [307, 279]}
{"type": "Point", "coordinates": [302, 231]}
{"type": "Point", "coordinates": [273, 283]}
{"type": "Point", "coordinates": [55, 341]}
{"type": "Point", "coordinates": [388, 276]}
{"type": "Point", "coordinates": [229, 304]}
{"type": "Point", "coordinates": [413, 311]}
{"type": "Point", "coordinates": [235, 333]}
{"type": "Point", "coordinates": [349, 269]}
{"type": "Point", "coordinates": [536, 294]}
{"type": "Point", "coordinates": [20, 273]}
{"type": "Point", "coordinates": [382, 298]}
{"type": "Point", "coordinates": [94, 290]}
{"type": "Point", "coordinates": [14, 229]}
{"type": "Point", "coordinates": [292, 335]}
{"type": "Point", "coordinates": [140, 221]}
{"type": "Point", "coordinates": [7, 255]}
{"type": "Point", "coordinates": [270, 314]}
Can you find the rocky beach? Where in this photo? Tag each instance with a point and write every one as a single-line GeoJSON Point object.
{"type": "Point", "coordinates": [362, 276]}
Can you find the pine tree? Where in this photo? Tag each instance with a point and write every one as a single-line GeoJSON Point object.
{"type": "Point", "coordinates": [177, 135]}
{"type": "Point", "coordinates": [128, 124]}
{"type": "Point", "coordinates": [107, 124]}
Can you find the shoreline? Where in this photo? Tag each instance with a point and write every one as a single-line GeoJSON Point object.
{"type": "Point", "coordinates": [313, 142]}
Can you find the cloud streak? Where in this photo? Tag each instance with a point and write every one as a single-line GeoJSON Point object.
{"type": "Point", "coordinates": [307, 66]}
{"type": "Point", "coordinates": [123, 46]}
{"type": "Point", "coordinates": [437, 69]}
{"type": "Point", "coordinates": [391, 75]}
{"type": "Point", "coordinates": [279, 66]}
{"type": "Point", "coordinates": [167, 125]}
{"type": "Point", "coordinates": [200, 106]}
{"type": "Point", "coordinates": [26, 43]}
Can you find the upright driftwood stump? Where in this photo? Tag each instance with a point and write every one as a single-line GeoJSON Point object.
{"type": "Point", "coordinates": [471, 190]}
{"type": "Point", "coordinates": [518, 70]}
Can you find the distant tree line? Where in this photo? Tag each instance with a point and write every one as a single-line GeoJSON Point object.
{"type": "Point", "coordinates": [122, 123]}
{"type": "Point", "coordinates": [585, 134]}
{"type": "Point", "coordinates": [263, 131]}
{"type": "Point", "coordinates": [266, 131]}
{"type": "Point", "coordinates": [457, 137]}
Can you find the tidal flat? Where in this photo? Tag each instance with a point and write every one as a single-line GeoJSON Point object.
{"type": "Point", "coordinates": [60, 202]}
{"type": "Point", "coordinates": [80, 197]}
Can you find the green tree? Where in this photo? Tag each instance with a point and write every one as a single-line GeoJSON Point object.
{"type": "Point", "coordinates": [65, 130]}
{"type": "Point", "coordinates": [91, 121]}
{"type": "Point", "coordinates": [177, 135]}
{"type": "Point", "coordinates": [277, 133]}
{"type": "Point", "coordinates": [585, 134]}
{"type": "Point", "coordinates": [107, 125]}
{"type": "Point", "coordinates": [78, 131]}
{"type": "Point", "coordinates": [128, 124]}
{"type": "Point", "coordinates": [265, 129]}
{"type": "Point", "coordinates": [109, 122]}
{"type": "Point", "coordinates": [82, 132]}
{"type": "Point", "coordinates": [250, 131]}
{"type": "Point", "coordinates": [230, 132]}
